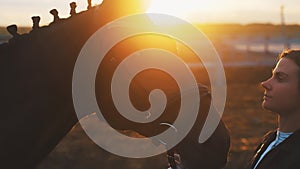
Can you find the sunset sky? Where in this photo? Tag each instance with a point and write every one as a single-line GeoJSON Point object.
{"type": "Point", "coordinates": [209, 11]}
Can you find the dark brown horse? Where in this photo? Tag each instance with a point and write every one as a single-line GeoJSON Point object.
{"type": "Point", "coordinates": [36, 89]}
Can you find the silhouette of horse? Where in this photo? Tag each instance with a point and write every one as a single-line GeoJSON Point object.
{"type": "Point", "coordinates": [37, 106]}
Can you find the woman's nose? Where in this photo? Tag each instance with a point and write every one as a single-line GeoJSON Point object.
{"type": "Point", "coordinates": [266, 84]}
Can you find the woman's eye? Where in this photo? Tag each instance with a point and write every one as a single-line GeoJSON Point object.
{"type": "Point", "coordinates": [279, 78]}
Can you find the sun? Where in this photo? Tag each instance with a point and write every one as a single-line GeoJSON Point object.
{"type": "Point", "coordinates": [181, 8]}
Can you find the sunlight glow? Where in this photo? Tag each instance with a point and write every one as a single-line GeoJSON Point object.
{"type": "Point", "coordinates": [181, 8]}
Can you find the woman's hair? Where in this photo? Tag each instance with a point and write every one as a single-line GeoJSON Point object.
{"type": "Point", "coordinates": [294, 55]}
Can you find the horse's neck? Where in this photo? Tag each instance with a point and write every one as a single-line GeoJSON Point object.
{"type": "Point", "coordinates": [36, 85]}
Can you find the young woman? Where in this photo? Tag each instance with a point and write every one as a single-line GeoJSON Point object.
{"type": "Point", "coordinates": [280, 149]}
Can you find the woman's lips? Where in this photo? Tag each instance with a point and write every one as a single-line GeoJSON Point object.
{"type": "Point", "coordinates": [266, 97]}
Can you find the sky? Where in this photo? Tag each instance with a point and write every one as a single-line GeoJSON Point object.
{"type": "Point", "coordinates": [197, 11]}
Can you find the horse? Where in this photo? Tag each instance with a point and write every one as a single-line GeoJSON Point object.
{"type": "Point", "coordinates": [37, 104]}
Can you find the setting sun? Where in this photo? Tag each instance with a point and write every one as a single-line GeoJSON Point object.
{"type": "Point", "coordinates": [181, 8]}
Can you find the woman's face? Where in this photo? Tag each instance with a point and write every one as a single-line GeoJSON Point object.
{"type": "Point", "coordinates": [282, 93]}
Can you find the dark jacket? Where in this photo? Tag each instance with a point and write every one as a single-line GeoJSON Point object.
{"type": "Point", "coordinates": [286, 155]}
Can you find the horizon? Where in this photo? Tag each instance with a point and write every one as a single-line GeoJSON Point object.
{"type": "Point", "coordinates": [203, 24]}
{"type": "Point", "coordinates": [211, 12]}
